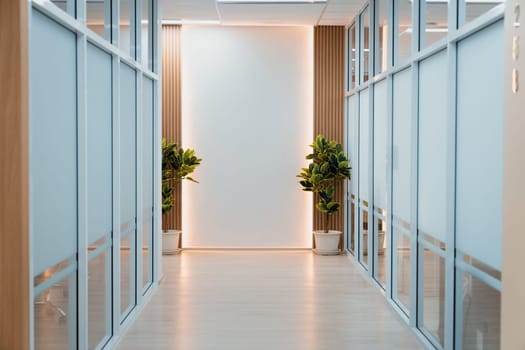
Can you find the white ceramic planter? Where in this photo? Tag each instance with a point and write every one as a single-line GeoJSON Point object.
{"type": "Point", "coordinates": [327, 243]}
{"type": "Point", "coordinates": [170, 242]}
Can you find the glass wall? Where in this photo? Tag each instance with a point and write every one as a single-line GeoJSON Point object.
{"type": "Point", "coordinates": [90, 165]}
{"type": "Point", "coordinates": [426, 139]}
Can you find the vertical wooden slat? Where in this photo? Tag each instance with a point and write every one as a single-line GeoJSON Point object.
{"type": "Point", "coordinates": [172, 109]}
{"type": "Point", "coordinates": [14, 177]}
{"type": "Point", "coordinates": [329, 100]}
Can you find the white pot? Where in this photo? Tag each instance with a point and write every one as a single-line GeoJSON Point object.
{"type": "Point", "coordinates": [327, 243]}
{"type": "Point", "coordinates": [170, 242]}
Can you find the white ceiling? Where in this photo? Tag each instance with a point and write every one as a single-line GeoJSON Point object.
{"type": "Point", "coordinates": [262, 12]}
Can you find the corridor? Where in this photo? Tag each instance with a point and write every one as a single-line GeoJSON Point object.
{"type": "Point", "coordinates": [266, 300]}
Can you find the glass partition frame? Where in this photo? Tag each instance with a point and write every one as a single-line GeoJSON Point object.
{"type": "Point", "coordinates": [76, 270]}
{"type": "Point", "coordinates": [457, 31]}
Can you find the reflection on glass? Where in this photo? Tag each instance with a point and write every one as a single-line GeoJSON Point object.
{"type": "Point", "coordinates": [381, 251]}
{"type": "Point", "coordinates": [433, 291]}
{"type": "Point", "coordinates": [96, 17]}
{"type": "Point", "coordinates": [475, 9]}
{"type": "Point", "coordinates": [382, 36]}
{"type": "Point", "coordinates": [352, 227]}
{"type": "Point", "coordinates": [145, 41]}
{"type": "Point", "coordinates": [68, 6]}
{"type": "Point", "coordinates": [363, 256]}
{"type": "Point", "coordinates": [402, 267]}
{"type": "Point", "coordinates": [55, 317]}
{"type": "Point", "coordinates": [125, 42]}
{"type": "Point", "coordinates": [147, 267]}
{"type": "Point", "coordinates": [127, 274]}
{"type": "Point", "coordinates": [352, 56]}
{"type": "Point", "coordinates": [404, 40]}
{"type": "Point", "coordinates": [480, 306]}
{"type": "Point", "coordinates": [436, 22]}
{"type": "Point", "coordinates": [99, 299]}
{"type": "Point", "coordinates": [365, 46]}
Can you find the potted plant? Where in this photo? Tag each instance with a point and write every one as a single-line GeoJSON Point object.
{"type": "Point", "coordinates": [177, 165]}
{"type": "Point", "coordinates": [328, 166]}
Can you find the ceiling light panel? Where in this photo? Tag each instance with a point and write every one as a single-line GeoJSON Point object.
{"type": "Point", "coordinates": [247, 12]}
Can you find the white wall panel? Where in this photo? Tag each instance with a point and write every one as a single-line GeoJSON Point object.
{"type": "Point", "coordinates": [247, 111]}
{"type": "Point", "coordinates": [364, 147]}
{"type": "Point", "coordinates": [433, 146]}
{"type": "Point", "coordinates": [402, 145]}
{"type": "Point", "coordinates": [53, 146]}
{"type": "Point", "coordinates": [99, 139]}
{"type": "Point", "coordinates": [380, 141]}
{"type": "Point", "coordinates": [480, 145]}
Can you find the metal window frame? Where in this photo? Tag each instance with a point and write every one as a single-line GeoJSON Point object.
{"type": "Point", "coordinates": [75, 21]}
{"type": "Point", "coordinates": [457, 30]}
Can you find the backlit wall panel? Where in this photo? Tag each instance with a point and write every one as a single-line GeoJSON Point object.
{"type": "Point", "coordinates": [247, 111]}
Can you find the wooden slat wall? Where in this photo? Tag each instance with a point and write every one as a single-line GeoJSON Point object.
{"type": "Point", "coordinates": [172, 109]}
{"type": "Point", "coordinates": [329, 100]}
{"type": "Point", "coordinates": [14, 177]}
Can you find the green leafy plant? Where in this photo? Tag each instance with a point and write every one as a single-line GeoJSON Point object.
{"type": "Point", "coordinates": [328, 166]}
{"type": "Point", "coordinates": [177, 165]}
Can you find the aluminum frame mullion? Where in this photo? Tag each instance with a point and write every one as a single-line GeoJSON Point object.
{"type": "Point", "coordinates": [82, 187]}
{"type": "Point", "coordinates": [139, 211]}
{"type": "Point", "coordinates": [389, 186]}
{"type": "Point", "coordinates": [450, 275]}
{"type": "Point", "coordinates": [415, 274]}
{"type": "Point", "coordinates": [116, 194]}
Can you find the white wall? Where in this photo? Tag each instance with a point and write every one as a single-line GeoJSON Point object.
{"type": "Point", "coordinates": [248, 112]}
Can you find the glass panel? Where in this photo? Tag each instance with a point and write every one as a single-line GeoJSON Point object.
{"type": "Point", "coordinates": [68, 6]}
{"type": "Point", "coordinates": [402, 145]}
{"type": "Point", "coordinates": [474, 9]}
{"type": "Point", "coordinates": [480, 150]}
{"type": "Point", "coordinates": [147, 146]}
{"type": "Point", "coordinates": [351, 240]}
{"type": "Point", "coordinates": [381, 36]}
{"type": "Point", "coordinates": [381, 252]}
{"type": "Point", "coordinates": [436, 26]}
{"type": "Point", "coordinates": [352, 137]}
{"type": "Point", "coordinates": [365, 45]}
{"type": "Point", "coordinates": [99, 143]}
{"type": "Point", "coordinates": [53, 149]}
{"type": "Point", "coordinates": [126, 38]}
{"type": "Point", "coordinates": [479, 307]}
{"type": "Point", "coordinates": [432, 287]}
{"type": "Point", "coordinates": [146, 33]}
{"type": "Point", "coordinates": [380, 141]}
{"type": "Point", "coordinates": [404, 27]}
{"type": "Point", "coordinates": [99, 298]}
{"type": "Point", "coordinates": [364, 147]}
{"type": "Point", "coordinates": [147, 267]}
{"type": "Point", "coordinates": [97, 18]}
{"type": "Point", "coordinates": [128, 111]}
{"type": "Point", "coordinates": [402, 269]}
{"type": "Point", "coordinates": [433, 166]}
{"type": "Point", "coordinates": [363, 256]}
{"type": "Point", "coordinates": [353, 55]}
{"type": "Point", "coordinates": [55, 319]}
{"type": "Point", "coordinates": [127, 274]}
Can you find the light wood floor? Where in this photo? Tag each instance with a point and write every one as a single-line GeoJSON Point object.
{"type": "Point", "coordinates": [266, 300]}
